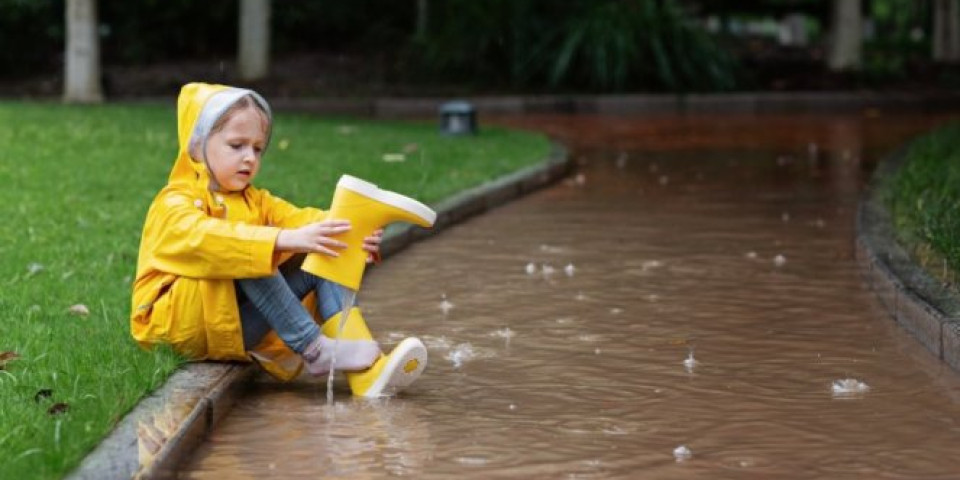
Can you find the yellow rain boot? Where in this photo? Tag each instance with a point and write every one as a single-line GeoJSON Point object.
{"type": "Point", "coordinates": [390, 373]}
{"type": "Point", "coordinates": [368, 208]}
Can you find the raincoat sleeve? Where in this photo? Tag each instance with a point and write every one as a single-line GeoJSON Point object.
{"type": "Point", "coordinates": [190, 243]}
{"type": "Point", "coordinates": [283, 214]}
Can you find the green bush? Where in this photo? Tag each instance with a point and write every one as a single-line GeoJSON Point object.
{"type": "Point", "coordinates": [603, 46]}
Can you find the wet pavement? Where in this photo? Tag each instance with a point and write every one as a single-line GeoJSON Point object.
{"type": "Point", "coordinates": [686, 305]}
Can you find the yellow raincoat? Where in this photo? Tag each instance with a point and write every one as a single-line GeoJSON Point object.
{"type": "Point", "coordinates": [195, 243]}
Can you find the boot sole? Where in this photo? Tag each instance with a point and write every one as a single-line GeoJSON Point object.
{"type": "Point", "coordinates": [404, 365]}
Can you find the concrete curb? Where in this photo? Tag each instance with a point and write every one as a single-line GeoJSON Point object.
{"type": "Point", "coordinates": [921, 304]}
{"type": "Point", "coordinates": [181, 414]}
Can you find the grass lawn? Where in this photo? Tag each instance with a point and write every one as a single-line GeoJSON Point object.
{"type": "Point", "coordinates": [76, 183]}
{"type": "Point", "coordinates": [924, 199]}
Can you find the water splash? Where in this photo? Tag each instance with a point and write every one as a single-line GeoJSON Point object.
{"type": "Point", "coordinates": [682, 453]}
{"type": "Point", "coordinates": [848, 387]}
{"type": "Point", "coordinates": [463, 352]}
{"type": "Point", "coordinates": [690, 363]}
{"type": "Point", "coordinates": [349, 296]}
{"type": "Point", "coordinates": [779, 260]}
{"type": "Point", "coordinates": [569, 269]}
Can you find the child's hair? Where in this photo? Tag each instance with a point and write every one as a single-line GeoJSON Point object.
{"type": "Point", "coordinates": [244, 102]}
{"type": "Point", "coordinates": [218, 110]}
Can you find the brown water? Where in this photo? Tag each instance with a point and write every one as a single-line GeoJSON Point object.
{"type": "Point", "coordinates": [673, 227]}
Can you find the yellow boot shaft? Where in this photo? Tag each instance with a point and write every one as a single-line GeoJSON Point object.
{"type": "Point", "coordinates": [368, 208]}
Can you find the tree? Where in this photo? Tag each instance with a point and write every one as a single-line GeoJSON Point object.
{"type": "Point", "coordinates": [846, 37]}
{"type": "Point", "coordinates": [82, 71]}
{"type": "Point", "coordinates": [946, 30]}
{"type": "Point", "coordinates": [253, 58]}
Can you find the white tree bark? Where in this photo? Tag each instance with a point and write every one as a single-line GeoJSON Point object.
{"type": "Point", "coordinates": [253, 57]}
{"type": "Point", "coordinates": [946, 30]}
{"type": "Point", "coordinates": [423, 8]}
{"type": "Point", "coordinates": [81, 83]}
{"type": "Point", "coordinates": [846, 37]}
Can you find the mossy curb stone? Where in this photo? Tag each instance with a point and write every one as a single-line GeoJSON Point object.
{"type": "Point", "coordinates": [921, 304]}
{"type": "Point", "coordinates": [165, 427]}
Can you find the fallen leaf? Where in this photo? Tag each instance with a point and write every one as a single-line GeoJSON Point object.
{"type": "Point", "coordinates": [58, 408]}
{"type": "Point", "coordinates": [42, 393]}
{"type": "Point", "coordinates": [394, 157]}
{"type": "Point", "coordinates": [34, 268]}
{"type": "Point", "coordinates": [410, 148]}
{"type": "Point", "coordinates": [80, 309]}
{"type": "Point", "coordinates": [6, 357]}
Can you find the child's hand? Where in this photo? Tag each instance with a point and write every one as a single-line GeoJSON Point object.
{"type": "Point", "coordinates": [313, 238]}
{"type": "Point", "coordinates": [372, 244]}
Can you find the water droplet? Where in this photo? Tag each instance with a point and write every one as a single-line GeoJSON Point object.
{"type": "Point", "coordinates": [616, 311]}
{"type": "Point", "coordinates": [513, 406]}
{"type": "Point", "coordinates": [752, 255]}
{"type": "Point", "coordinates": [596, 351]}
{"type": "Point", "coordinates": [664, 180]}
{"type": "Point", "coordinates": [779, 260]}
{"type": "Point", "coordinates": [503, 333]}
{"type": "Point", "coordinates": [445, 305]}
{"type": "Point", "coordinates": [785, 217]}
{"type": "Point", "coordinates": [690, 363]}
{"type": "Point", "coordinates": [647, 265]}
{"type": "Point", "coordinates": [682, 453]}
{"type": "Point", "coordinates": [622, 160]}
{"type": "Point", "coordinates": [547, 270]}
{"type": "Point", "coordinates": [531, 268]}
{"type": "Point", "coordinates": [580, 296]}
{"type": "Point", "coordinates": [569, 269]}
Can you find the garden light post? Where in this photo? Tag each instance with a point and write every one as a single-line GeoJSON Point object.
{"type": "Point", "coordinates": [458, 118]}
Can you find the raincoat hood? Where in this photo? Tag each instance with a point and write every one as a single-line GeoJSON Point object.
{"type": "Point", "coordinates": [199, 107]}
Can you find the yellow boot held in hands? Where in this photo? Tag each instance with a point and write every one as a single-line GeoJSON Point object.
{"type": "Point", "coordinates": [368, 208]}
{"type": "Point", "coordinates": [389, 374]}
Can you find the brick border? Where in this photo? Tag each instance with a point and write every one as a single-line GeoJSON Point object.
{"type": "Point", "coordinates": [215, 387]}
{"type": "Point", "coordinates": [914, 299]}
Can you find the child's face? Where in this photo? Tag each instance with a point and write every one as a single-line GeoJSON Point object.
{"type": "Point", "coordinates": [233, 152]}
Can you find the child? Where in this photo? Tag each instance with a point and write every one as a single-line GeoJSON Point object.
{"type": "Point", "coordinates": [218, 274]}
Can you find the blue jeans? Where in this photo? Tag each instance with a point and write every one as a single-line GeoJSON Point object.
{"type": "Point", "coordinates": [273, 303]}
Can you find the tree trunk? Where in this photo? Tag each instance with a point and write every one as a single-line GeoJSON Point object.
{"type": "Point", "coordinates": [946, 30]}
{"type": "Point", "coordinates": [423, 9]}
{"type": "Point", "coordinates": [846, 40]}
{"type": "Point", "coordinates": [81, 82]}
{"type": "Point", "coordinates": [253, 59]}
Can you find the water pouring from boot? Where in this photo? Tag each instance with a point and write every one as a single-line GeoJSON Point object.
{"type": "Point", "coordinates": [368, 208]}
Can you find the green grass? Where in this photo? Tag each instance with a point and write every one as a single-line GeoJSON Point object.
{"type": "Point", "coordinates": [76, 183]}
{"type": "Point", "coordinates": [924, 201]}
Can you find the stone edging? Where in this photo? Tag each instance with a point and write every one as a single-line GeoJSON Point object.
{"type": "Point", "coordinates": [189, 405]}
{"type": "Point", "coordinates": [917, 301]}
{"type": "Point", "coordinates": [628, 104]}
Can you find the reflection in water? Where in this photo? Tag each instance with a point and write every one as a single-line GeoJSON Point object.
{"type": "Point", "coordinates": [738, 249]}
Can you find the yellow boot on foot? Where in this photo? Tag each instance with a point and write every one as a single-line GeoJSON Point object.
{"type": "Point", "coordinates": [389, 374]}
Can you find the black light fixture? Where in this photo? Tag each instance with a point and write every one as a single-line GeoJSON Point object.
{"type": "Point", "coordinates": [458, 117]}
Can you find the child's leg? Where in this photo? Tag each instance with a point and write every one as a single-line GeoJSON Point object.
{"type": "Point", "coordinates": [270, 303]}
